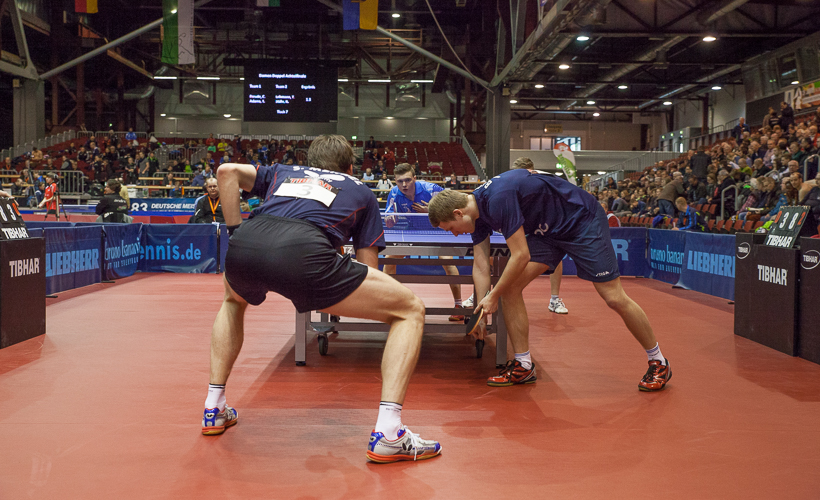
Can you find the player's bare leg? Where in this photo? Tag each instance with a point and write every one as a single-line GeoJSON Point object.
{"type": "Point", "coordinates": [381, 298]}
{"type": "Point", "coordinates": [636, 321]}
{"type": "Point", "coordinates": [227, 337]}
{"type": "Point", "coordinates": [520, 370]}
{"type": "Point", "coordinates": [556, 304]}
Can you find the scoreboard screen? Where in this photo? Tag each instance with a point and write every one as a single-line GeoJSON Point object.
{"type": "Point", "coordinates": [277, 92]}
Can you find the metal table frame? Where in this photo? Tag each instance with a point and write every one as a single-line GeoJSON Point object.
{"type": "Point", "coordinates": [449, 254]}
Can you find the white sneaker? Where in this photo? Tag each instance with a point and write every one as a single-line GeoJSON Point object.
{"type": "Point", "coordinates": [468, 303]}
{"type": "Point", "coordinates": [557, 306]}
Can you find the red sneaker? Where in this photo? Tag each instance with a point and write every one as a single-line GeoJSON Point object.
{"type": "Point", "coordinates": [656, 376]}
{"type": "Point", "coordinates": [513, 374]}
{"type": "Point", "coordinates": [455, 317]}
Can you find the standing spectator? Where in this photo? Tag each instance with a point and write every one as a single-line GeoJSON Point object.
{"type": "Point", "coordinates": [786, 115]}
{"type": "Point", "coordinates": [208, 208]}
{"type": "Point", "coordinates": [131, 137]}
{"type": "Point", "coordinates": [740, 128]}
{"type": "Point", "coordinates": [700, 163]}
{"type": "Point", "coordinates": [771, 119]}
{"type": "Point", "coordinates": [669, 193]}
{"type": "Point", "coordinates": [370, 144]}
{"type": "Point", "coordinates": [210, 141]}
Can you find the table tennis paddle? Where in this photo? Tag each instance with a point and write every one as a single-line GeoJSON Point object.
{"type": "Point", "coordinates": [472, 325]}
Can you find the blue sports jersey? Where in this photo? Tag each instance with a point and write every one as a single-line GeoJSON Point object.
{"type": "Point", "coordinates": [338, 204]}
{"type": "Point", "coordinates": [543, 204]}
{"type": "Point", "coordinates": [398, 203]}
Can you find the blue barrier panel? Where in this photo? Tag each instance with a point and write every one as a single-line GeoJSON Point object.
{"type": "Point", "coordinates": [666, 254]}
{"type": "Point", "coordinates": [223, 246]}
{"type": "Point", "coordinates": [49, 224]}
{"type": "Point", "coordinates": [178, 248]}
{"type": "Point", "coordinates": [629, 244]}
{"type": "Point", "coordinates": [122, 249]}
{"type": "Point", "coordinates": [72, 258]}
{"type": "Point", "coordinates": [35, 232]}
{"type": "Point", "coordinates": [709, 264]}
{"type": "Point", "coordinates": [139, 205]}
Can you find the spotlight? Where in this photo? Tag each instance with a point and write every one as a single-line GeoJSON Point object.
{"type": "Point", "coordinates": [396, 15]}
{"type": "Point", "coordinates": [709, 38]}
{"type": "Point", "coordinates": [596, 114]}
{"type": "Point", "coordinates": [582, 38]}
{"type": "Point", "coordinates": [590, 103]}
{"type": "Point", "coordinates": [513, 101]}
{"type": "Point", "coordinates": [716, 87]}
{"type": "Point", "coordinates": [563, 66]}
{"type": "Point", "coordinates": [667, 103]}
{"type": "Point", "coordinates": [539, 85]}
{"type": "Point", "coordinates": [623, 87]}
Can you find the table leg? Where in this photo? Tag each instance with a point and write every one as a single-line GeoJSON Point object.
{"type": "Point", "coordinates": [300, 342]}
{"type": "Point", "coordinates": [500, 338]}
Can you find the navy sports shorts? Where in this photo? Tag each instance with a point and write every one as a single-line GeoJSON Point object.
{"type": "Point", "coordinates": [590, 247]}
{"type": "Point", "coordinates": [290, 257]}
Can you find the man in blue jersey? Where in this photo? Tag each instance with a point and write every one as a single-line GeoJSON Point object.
{"type": "Point", "coordinates": [412, 196]}
{"type": "Point", "coordinates": [288, 246]}
{"type": "Point", "coordinates": [543, 218]}
{"type": "Point", "coordinates": [692, 219]}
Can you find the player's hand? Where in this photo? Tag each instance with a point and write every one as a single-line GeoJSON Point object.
{"type": "Point", "coordinates": [676, 229]}
{"type": "Point", "coordinates": [481, 332]}
{"type": "Point", "coordinates": [489, 303]}
{"type": "Point", "coordinates": [5, 194]}
{"type": "Point", "coordinates": [390, 221]}
{"type": "Point", "coordinates": [420, 207]}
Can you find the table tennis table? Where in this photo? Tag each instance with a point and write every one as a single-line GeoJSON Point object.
{"type": "Point", "coordinates": [412, 241]}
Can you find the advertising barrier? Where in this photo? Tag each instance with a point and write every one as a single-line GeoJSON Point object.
{"type": "Point", "coordinates": [709, 264]}
{"type": "Point", "coordinates": [139, 205]}
{"type": "Point", "coordinates": [72, 257]}
{"type": "Point", "coordinates": [666, 251]}
{"type": "Point", "coordinates": [177, 248]}
{"type": "Point", "coordinates": [223, 246]}
{"type": "Point", "coordinates": [629, 244]}
{"type": "Point", "coordinates": [122, 249]}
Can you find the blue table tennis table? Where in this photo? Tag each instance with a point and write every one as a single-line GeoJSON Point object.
{"type": "Point", "coordinates": [412, 237]}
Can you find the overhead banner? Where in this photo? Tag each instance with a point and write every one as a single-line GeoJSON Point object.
{"type": "Point", "coordinates": [629, 244]}
{"type": "Point", "coordinates": [804, 96]}
{"type": "Point", "coordinates": [72, 257]}
{"type": "Point", "coordinates": [179, 248]}
{"type": "Point", "coordinates": [121, 253]}
{"type": "Point", "coordinates": [566, 161]}
{"type": "Point", "coordinates": [666, 254]}
{"type": "Point", "coordinates": [709, 264]}
{"type": "Point", "coordinates": [178, 32]}
{"type": "Point", "coordinates": [139, 205]}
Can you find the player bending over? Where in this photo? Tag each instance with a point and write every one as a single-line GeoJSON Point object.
{"type": "Point", "coordinates": [288, 247]}
{"type": "Point", "coordinates": [543, 218]}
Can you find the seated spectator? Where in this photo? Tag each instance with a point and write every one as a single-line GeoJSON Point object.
{"type": "Point", "coordinates": [210, 141]}
{"type": "Point", "coordinates": [368, 175]}
{"type": "Point", "coordinates": [389, 155]}
{"type": "Point", "coordinates": [787, 196]}
{"type": "Point", "coordinates": [112, 207]}
{"type": "Point", "coordinates": [207, 208]}
{"type": "Point", "coordinates": [378, 170]}
{"type": "Point", "coordinates": [222, 145]}
{"type": "Point", "coordinates": [370, 144]}
{"type": "Point", "coordinates": [384, 183]}
{"type": "Point", "coordinates": [208, 172]}
{"type": "Point", "coordinates": [131, 175]}
{"type": "Point", "coordinates": [812, 200]}
{"type": "Point", "coordinates": [452, 182]}
{"type": "Point", "coordinates": [36, 154]}
{"type": "Point", "coordinates": [18, 188]}
{"type": "Point", "coordinates": [697, 192]}
{"type": "Point", "coordinates": [693, 220]}
{"type": "Point", "coordinates": [740, 129]}
{"type": "Point", "coordinates": [199, 179]}
{"type": "Point", "coordinates": [131, 137]}
{"type": "Point", "coordinates": [177, 190]}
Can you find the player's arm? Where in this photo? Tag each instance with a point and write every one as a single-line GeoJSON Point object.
{"type": "Point", "coordinates": [233, 178]}
{"type": "Point", "coordinates": [519, 257]}
{"type": "Point", "coordinates": [368, 256]}
{"type": "Point", "coordinates": [481, 267]}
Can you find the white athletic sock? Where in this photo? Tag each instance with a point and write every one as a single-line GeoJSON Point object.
{"type": "Point", "coordinates": [655, 354]}
{"type": "Point", "coordinates": [458, 302]}
{"type": "Point", "coordinates": [525, 359]}
{"type": "Point", "coordinates": [216, 397]}
{"type": "Point", "coordinates": [389, 422]}
{"type": "Point", "coordinates": [553, 298]}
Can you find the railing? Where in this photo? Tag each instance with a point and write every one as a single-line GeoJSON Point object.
{"type": "Point", "coordinates": [723, 201]}
{"type": "Point", "coordinates": [69, 183]}
{"type": "Point", "coordinates": [45, 142]}
{"type": "Point", "coordinates": [639, 163]}
{"type": "Point", "coordinates": [473, 158]}
{"type": "Point", "coordinates": [120, 134]}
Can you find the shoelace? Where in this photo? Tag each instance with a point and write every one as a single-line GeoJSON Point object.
{"type": "Point", "coordinates": [557, 302]}
{"type": "Point", "coordinates": [414, 440]}
{"type": "Point", "coordinates": [508, 368]}
{"type": "Point", "coordinates": [652, 372]}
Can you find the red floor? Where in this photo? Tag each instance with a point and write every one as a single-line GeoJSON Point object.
{"type": "Point", "coordinates": [108, 404]}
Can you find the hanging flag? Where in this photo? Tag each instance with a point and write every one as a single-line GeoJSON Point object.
{"type": "Point", "coordinates": [178, 32]}
{"type": "Point", "coordinates": [566, 161]}
{"type": "Point", "coordinates": [360, 14]}
{"type": "Point", "coordinates": [267, 3]}
{"type": "Point", "coordinates": [85, 6]}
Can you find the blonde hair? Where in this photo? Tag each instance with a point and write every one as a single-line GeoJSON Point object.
{"type": "Point", "coordinates": [442, 205]}
{"type": "Point", "coordinates": [523, 162]}
{"type": "Point", "coordinates": [331, 152]}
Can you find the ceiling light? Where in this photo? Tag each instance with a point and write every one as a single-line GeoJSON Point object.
{"type": "Point", "coordinates": [582, 38]}
{"type": "Point", "coordinates": [596, 114]}
{"type": "Point", "coordinates": [590, 102]}
{"type": "Point", "coordinates": [539, 85]}
{"type": "Point", "coordinates": [342, 80]}
{"type": "Point", "coordinates": [379, 81]}
{"type": "Point", "coordinates": [667, 103]}
{"type": "Point", "coordinates": [513, 101]}
{"type": "Point", "coordinates": [623, 87]}
{"type": "Point", "coordinates": [601, 172]}
{"type": "Point", "coordinates": [563, 66]}
{"type": "Point", "coordinates": [207, 78]}
{"type": "Point", "coordinates": [227, 115]}
{"type": "Point", "coordinates": [165, 78]}
{"type": "Point", "coordinates": [396, 15]}
{"type": "Point", "coordinates": [716, 87]}
{"type": "Point", "coordinates": [162, 114]}
{"type": "Point", "coordinates": [709, 38]}
{"type": "Point", "coordinates": [174, 11]}
{"type": "Point", "coordinates": [421, 81]}
{"type": "Point", "coordinates": [241, 78]}
{"type": "Point", "coordinates": [389, 117]}
{"type": "Point", "coordinates": [796, 82]}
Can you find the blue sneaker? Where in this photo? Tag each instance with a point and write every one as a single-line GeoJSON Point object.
{"type": "Point", "coordinates": [408, 446]}
{"type": "Point", "coordinates": [215, 421]}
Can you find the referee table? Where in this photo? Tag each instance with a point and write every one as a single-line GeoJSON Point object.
{"type": "Point", "coordinates": [412, 241]}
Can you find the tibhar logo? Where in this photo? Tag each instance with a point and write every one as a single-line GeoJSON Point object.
{"type": "Point", "coordinates": [773, 275]}
{"type": "Point", "coordinates": [743, 250]}
{"type": "Point", "coordinates": [24, 267]}
{"type": "Point", "coordinates": [811, 259]}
